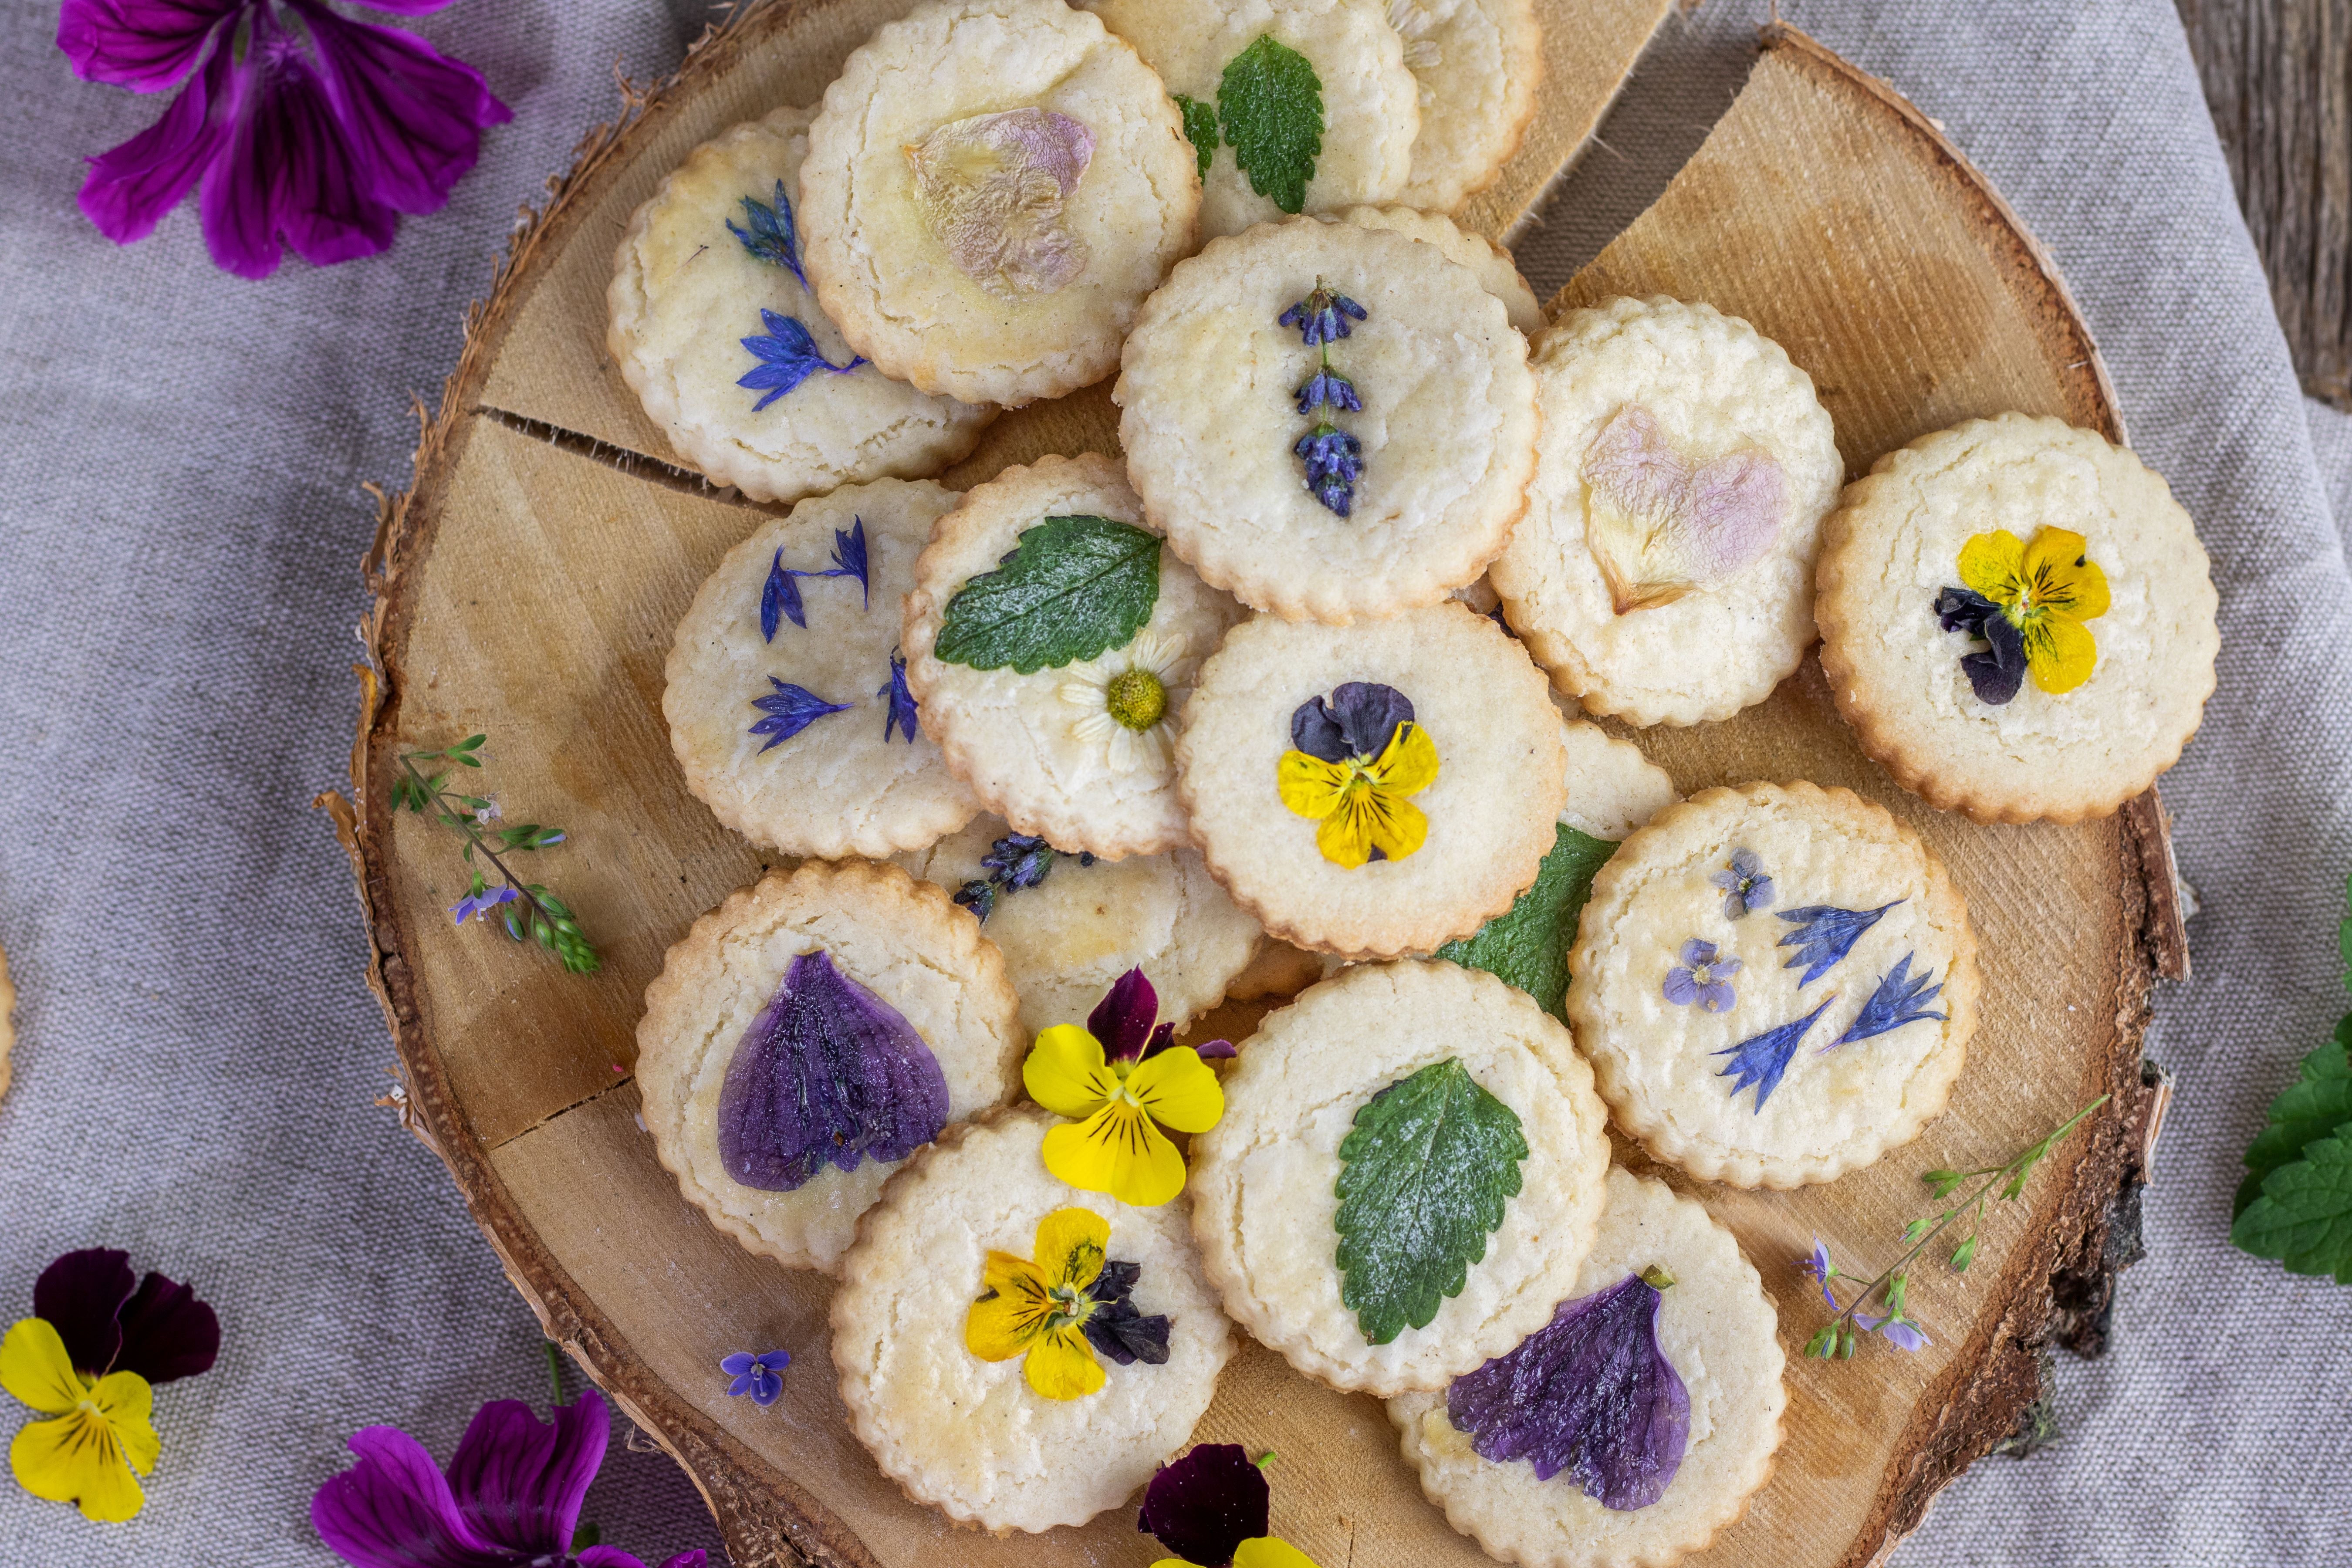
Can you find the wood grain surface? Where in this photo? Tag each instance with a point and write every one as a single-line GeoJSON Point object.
{"type": "Point", "coordinates": [528, 586]}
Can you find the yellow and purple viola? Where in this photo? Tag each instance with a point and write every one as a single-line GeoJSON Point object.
{"type": "Point", "coordinates": [2028, 602]}
{"type": "Point", "coordinates": [1353, 761]}
{"type": "Point", "coordinates": [1212, 1509]}
{"type": "Point", "coordinates": [1062, 1308]}
{"type": "Point", "coordinates": [1120, 1081]}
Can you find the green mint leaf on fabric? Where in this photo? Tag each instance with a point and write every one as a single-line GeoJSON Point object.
{"type": "Point", "coordinates": [1201, 129]}
{"type": "Point", "coordinates": [2304, 1216]}
{"type": "Point", "coordinates": [1073, 588]}
{"type": "Point", "coordinates": [1528, 946]}
{"type": "Point", "coordinates": [1424, 1178]}
{"type": "Point", "coordinates": [1272, 106]}
{"type": "Point", "coordinates": [2317, 1103]}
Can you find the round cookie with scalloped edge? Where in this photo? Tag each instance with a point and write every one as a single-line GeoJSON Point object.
{"type": "Point", "coordinates": [970, 1438]}
{"type": "Point", "coordinates": [1612, 788]}
{"type": "Point", "coordinates": [1716, 1326]}
{"type": "Point", "coordinates": [1776, 984]}
{"type": "Point", "coordinates": [1265, 1179]}
{"type": "Point", "coordinates": [2099, 557]}
{"type": "Point", "coordinates": [1664, 572]}
{"type": "Point", "coordinates": [709, 259]}
{"type": "Point", "coordinates": [1477, 65]}
{"type": "Point", "coordinates": [752, 717]}
{"type": "Point", "coordinates": [991, 188]}
{"type": "Point", "coordinates": [1086, 921]}
{"type": "Point", "coordinates": [1077, 748]}
{"type": "Point", "coordinates": [897, 950]}
{"type": "Point", "coordinates": [1496, 268]}
{"type": "Point", "coordinates": [1434, 414]}
{"type": "Point", "coordinates": [1488, 813]}
{"type": "Point", "coordinates": [1368, 101]}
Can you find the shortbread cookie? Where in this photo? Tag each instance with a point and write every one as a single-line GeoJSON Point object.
{"type": "Point", "coordinates": [1052, 640]}
{"type": "Point", "coordinates": [806, 1036]}
{"type": "Point", "coordinates": [1234, 67]}
{"type": "Point", "coordinates": [1329, 421]}
{"type": "Point", "coordinates": [1612, 788]}
{"type": "Point", "coordinates": [1068, 925]}
{"type": "Point", "coordinates": [2017, 620]}
{"type": "Point", "coordinates": [1664, 571]}
{"type": "Point", "coordinates": [992, 187]}
{"type": "Point", "coordinates": [1477, 64]}
{"type": "Point", "coordinates": [1496, 269]}
{"type": "Point", "coordinates": [1714, 1326]}
{"type": "Point", "coordinates": [976, 1438]}
{"type": "Point", "coordinates": [1373, 790]}
{"type": "Point", "coordinates": [785, 695]}
{"type": "Point", "coordinates": [1302, 1193]}
{"type": "Point", "coordinates": [713, 327]}
{"type": "Point", "coordinates": [1776, 984]}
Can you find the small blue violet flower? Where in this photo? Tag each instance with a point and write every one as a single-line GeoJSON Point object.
{"type": "Point", "coordinates": [756, 1375]}
{"type": "Point", "coordinates": [790, 709]}
{"type": "Point", "coordinates": [773, 235]}
{"type": "Point", "coordinates": [1745, 885]}
{"type": "Point", "coordinates": [899, 711]}
{"type": "Point", "coordinates": [787, 357]}
{"type": "Point", "coordinates": [1322, 317]}
{"type": "Point", "coordinates": [1820, 1269]}
{"type": "Point", "coordinates": [481, 903]}
{"type": "Point", "coordinates": [1901, 1333]}
{"type": "Point", "coordinates": [1700, 978]}
{"type": "Point", "coordinates": [1899, 1000]}
{"type": "Point", "coordinates": [1761, 1059]}
{"type": "Point", "coordinates": [1826, 934]}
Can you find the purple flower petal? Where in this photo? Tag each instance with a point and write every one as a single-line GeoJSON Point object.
{"type": "Point", "coordinates": [1681, 987]}
{"type": "Point", "coordinates": [1358, 720]}
{"type": "Point", "coordinates": [1899, 999]}
{"type": "Point", "coordinates": [776, 1360]}
{"type": "Point", "coordinates": [1824, 935]}
{"type": "Point", "coordinates": [827, 1072]}
{"type": "Point", "coordinates": [738, 1364]}
{"type": "Point", "coordinates": [80, 1295]}
{"type": "Point", "coordinates": [1122, 1020]}
{"type": "Point", "coordinates": [1761, 1059]}
{"type": "Point", "coordinates": [519, 1481]}
{"type": "Point", "coordinates": [1206, 1504]}
{"type": "Point", "coordinates": [132, 186]}
{"type": "Point", "coordinates": [1715, 996]}
{"type": "Point", "coordinates": [394, 1510]}
{"type": "Point", "coordinates": [1697, 952]}
{"type": "Point", "coordinates": [1213, 1050]}
{"type": "Point", "coordinates": [167, 1333]}
{"type": "Point", "coordinates": [740, 1386]}
{"type": "Point", "coordinates": [609, 1557]}
{"type": "Point", "coordinates": [144, 45]}
{"type": "Point", "coordinates": [693, 1559]}
{"type": "Point", "coordinates": [1904, 1335]}
{"type": "Point", "coordinates": [414, 117]}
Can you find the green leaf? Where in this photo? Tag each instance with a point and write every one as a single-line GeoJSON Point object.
{"type": "Point", "coordinates": [1965, 1254]}
{"type": "Point", "coordinates": [1423, 1177]}
{"type": "Point", "coordinates": [1199, 129]}
{"type": "Point", "coordinates": [1272, 106]}
{"type": "Point", "coordinates": [1072, 588]}
{"type": "Point", "coordinates": [1528, 946]}
{"type": "Point", "coordinates": [2317, 1103]}
{"type": "Point", "coordinates": [2304, 1216]}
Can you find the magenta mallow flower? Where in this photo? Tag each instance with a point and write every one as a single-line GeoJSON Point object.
{"type": "Point", "coordinates": [510, 1499]}
{"type": "Point", "coordinates": [295, 125]}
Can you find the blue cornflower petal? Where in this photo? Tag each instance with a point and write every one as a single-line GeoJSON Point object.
{"type": "Point", "coordinates": [1761, 1059]}
{"type": "Point", "coordinates": [787, 356]}
{"type": "Point", "coordinates": [1826, 934]}
{"type": "Point", "coordinates": [898, 707]}
{"type": "Point", "coordinates": [779, 597]}
{"type": "Point", "coordinates": [790, 709]}
{"type": "Point", "coordinates": [1899, 1000]}
{"type": "Point", "coordinates": [774, 235]}
{"type": "Point", "coordinates": [849, 557]}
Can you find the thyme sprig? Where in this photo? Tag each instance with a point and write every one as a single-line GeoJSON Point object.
{"type": "Point", "coordinates": [1891, 1287]}
{"type": "Point", "coordinates": [525, 909]}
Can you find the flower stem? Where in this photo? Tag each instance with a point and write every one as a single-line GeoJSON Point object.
{"type": "Point", "coordinates": [558, 931]}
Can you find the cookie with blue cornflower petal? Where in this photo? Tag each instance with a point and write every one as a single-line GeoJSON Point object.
{"type": "Point", "coordinates": [992, 187]}
{"type": "Point", "coordinates": [1014, 1352]}
{"type": "Point", "coordinates": [1664, 571]}
{"type": "Point", "coordinates": [1330, 422]}
{"type": "Point", "coordinates": [1776, 984]}
{"type": "Point", "coordinates": [712, 324]}
{"type": "Point", "coordinates": [1636, 1422]}
{"type": "Point", "coordinates": [806, 1036]}
{"type": "Point", "coordinates": [2017, 619]}
{"type": "Point", "coordinates": [787, 696]}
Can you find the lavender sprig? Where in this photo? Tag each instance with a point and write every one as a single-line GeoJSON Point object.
{"type": "Point", "coordinates": [1836, 1338]}
{"type": "Point", "coordinates": [524, 909]}
{"type": "Point", "coordinates": [1334, 458]}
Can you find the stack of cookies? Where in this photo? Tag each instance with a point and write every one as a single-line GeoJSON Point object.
{"type": "Point", "coordinates": [1302, 687]}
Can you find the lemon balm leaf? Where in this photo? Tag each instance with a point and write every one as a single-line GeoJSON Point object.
{"type": "Point", "coordinates": [2304, 1216]}
{"type": "Point", "coordinates": [1272, 105]}
{"type": "Point", "coordinates": [1073, 588]}
{"type": "Point", "coordinates": [1528, 947]}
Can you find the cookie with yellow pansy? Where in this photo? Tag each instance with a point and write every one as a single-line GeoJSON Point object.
{"type": "Point", "coordinates": [1014, 1352]}
{"type": "Point", "coordinates": [2017, 619]}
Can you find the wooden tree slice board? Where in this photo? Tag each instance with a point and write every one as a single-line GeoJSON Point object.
{"type": "Point", "coordinates": [528, 585]}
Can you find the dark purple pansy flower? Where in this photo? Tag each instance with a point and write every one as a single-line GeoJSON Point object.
{"type": "Point", "coordinates": [787, 356]}
{"type": "Point", "coordinates": [756, 1375]}
{"type": "Point", "coordinates": [1589, 1392]}
{"type": "Point", "coordinates": [1118, 1328]}
{"type": "Point", "coordinates": [1206, 1504]}
{"type": "Point", "coordinates": [1899, 1000]}
{"type": "Point", "coordinates": [898, 702]}
{"type": "Point", "coordinates": [1358, 721]}
{"type": "Point", "coordinates": [1745, 885]}
{"type": "Point", "coordinates": [1761, 1059]}
{"type": "Point", "coordinates": [1122, 1023]}
{"type": "Point", "coordinates": [113, 1321]}
{"type": "Point", "coordinates": [1996, 672]}
{"type": "Point", "coordinates": [1703, 977]}
{"type": "Point", "coordinates": [510, 1499]}
{"type": "Point", "coordinates": [828, 1072]}
{"type": "Point", "coordinates": [298, 126]}
{"type": "Point", "coordinates": [790, 709]}
{"type": "Point", "coordinates": [1826, 934]}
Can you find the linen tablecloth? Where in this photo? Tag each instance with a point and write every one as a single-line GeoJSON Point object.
{"type": "Point", "coordinates": [181, 523]}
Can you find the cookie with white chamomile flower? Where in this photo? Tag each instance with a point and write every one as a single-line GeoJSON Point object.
{"type": "Point", "coordinates": [1776, 984]}
{"type": "Point", "coordinates": [1247, 72]}
{"type": "Point", "coordinates": [1070, 925]}
{"type": "Point", "coordinates": [1052, 640]}
{"type": "Point", "coordinates": [955, 1376]}
{"type": "Point", "coordinates": [2017, 619]}
{"type": "Point", "coordinates": [712, 324]}
{"type": "Point", "coordinates": [991, 188]}
{"type": "Point", "coordinates": [1632, 1425]}
{"type": "Point", "coordinates": [1406, 1177]}
{"type": "Point", "coordinates": [1376, 789]}
{"type": "Point", "coordinates": [1477, 65]}
{"type": "Point", "coordinates": [806, 1036]}
{"type": "Point", "coordinates": [786, 694]}
{"type": "Point", "coordinates": [1664, 571]}
{"type": "Point", "coordinates": [1490, 261]}
{"type": "Point", "coordinates": [1330, 422]}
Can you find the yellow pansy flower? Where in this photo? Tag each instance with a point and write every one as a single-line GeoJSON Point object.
{"type": "Point", "coordinates": [1258, 1552]}
{"type": "Point", "coordinates": [2046, 590]}
{"type": "Point", "coordinates": [1039, 1309]}
{"type": "Point", "coordinates": [1120, 1096]}
{"type": "Point", "coordinates": [1360, 801]}
{"type": "Point", "coordinates": [98, 1434]}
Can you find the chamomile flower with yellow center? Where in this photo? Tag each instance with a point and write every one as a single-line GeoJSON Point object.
{"type": "Point", "coordinates": [1126, 699]}
{"type": "Point", "coordinates": [1120, 1080]}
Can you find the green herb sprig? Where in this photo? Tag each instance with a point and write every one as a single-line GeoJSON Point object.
{"type": "Point", "coordinates": [2296, 1203]}
{"type": "Point", "coordinates": [524, 909]}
